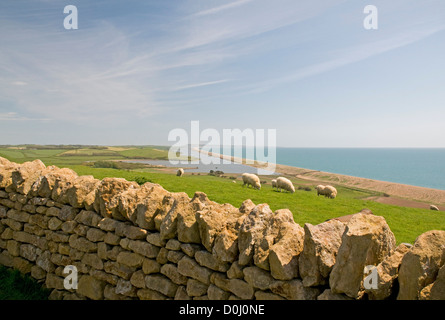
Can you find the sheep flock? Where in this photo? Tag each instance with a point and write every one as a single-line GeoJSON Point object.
{"type": "Point", "coordinates": [279, 184]}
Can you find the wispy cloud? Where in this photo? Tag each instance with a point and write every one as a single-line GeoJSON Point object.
{"type": "Point", "coordinates": [13, 116]}
{"type": "Point", "coordinates": [224, 7]}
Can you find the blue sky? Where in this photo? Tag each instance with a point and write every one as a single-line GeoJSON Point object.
{"type": "Point", "coordinates": [134, 70]}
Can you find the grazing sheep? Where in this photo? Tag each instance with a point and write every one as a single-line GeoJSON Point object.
{"type": "Point", "coordinates": [330, 192]}
{"type": "Point", "coordinates": [327, 191]}
{"type": "Point", "coordinates": [320, 190]}
{"type": "Point", "coordinates": [180, 172]}
{"type": "Point", "coordinates": [286, 184]}
{"type": "Point", "coordinates": [433, 207]}
{"type": "Point", "coordinates": [274, 183]}
{"type": "Point", "coordinates": [251, 179]}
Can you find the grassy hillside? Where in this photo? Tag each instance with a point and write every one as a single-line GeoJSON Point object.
{"type": "Point", "coordinates": [72, 155]}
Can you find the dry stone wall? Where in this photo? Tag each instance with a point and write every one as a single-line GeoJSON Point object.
{"type": "Point", "coordinates": [144, 242]}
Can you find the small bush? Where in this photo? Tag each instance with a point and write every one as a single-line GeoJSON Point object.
{"type": "Point", "coordinates": [141, 180]}
{"type": "Point", "coordinates": [305, 188]}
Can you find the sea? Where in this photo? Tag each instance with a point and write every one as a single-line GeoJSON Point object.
{"type": "Point", "coordinates": [423, 167]}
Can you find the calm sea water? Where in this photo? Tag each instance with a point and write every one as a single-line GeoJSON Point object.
{"type": "Point", "coordinates": [414, 166]}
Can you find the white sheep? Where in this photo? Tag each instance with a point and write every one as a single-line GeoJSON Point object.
{"type": "Point", "coordinates": [274, 183]}
{"type": "Point", "coordinates": [320, 189]}
{"type": "Point", "coordinates": [331, 192]}
{"type": "Point", "coordinates": [433, 207]}
{"type": "Point", "coordinates": [180, 172]}
{"type": "Point", "coordinates": [251, 179]}
{"type": "Point", "coordinates": [286, 184]}
{"type": "Point", "coordinates": [327, 191]}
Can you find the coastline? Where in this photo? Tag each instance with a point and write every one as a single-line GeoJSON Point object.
{"type": "Point", "coordinates": [404, 191]}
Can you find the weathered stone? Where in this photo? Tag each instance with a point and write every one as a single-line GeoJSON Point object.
{"type": "Point", "coordinates": [181, 294]}
{"type": "Point", "coordinates": [387, 272]}
{"type": "Point", "coordinates": [130, 259]}
{"type": "Point", "coordinates": [235, 271]}
{"type": "Point", "coordinates": [215, 293]}
{"type": "Point", "coordinates": [196, 288]}
{"type": "Point", "coordinates": [101, 275]}
{"type": "Point", "coordinates": [93, 260]}
{"type": "Point", "coordinates": [13, 248]}
{"type": "Point", "coordinates": [435, 290]}
{"type": "Point", "coordinates": [155, 239]}
{"type": "Point", "coordinates": [95, 235]}
{"type": "Point", "coordinates": [238, 287]}
{"type": "Point", "coordinates": [166, 219]}
{"type": "Point", "coordinates": [106, 195]}
{"type": "Point", "coordinates": [188, 229]}
{"type": "Point", "coordinates": [67, 213]}
{"type": "Point", "coordinates": [138, 279]}
{"type": "Point", "coordinates": [211, 221]}
{"type": "Point", "coordinates": [150, 266]}
{"type": "Point", "coordinates": [420, 266]}
{"type": "Point", "coordinates": [82, 244]}
{"type": "Point", "coordinates": [54, 224]}
{"type": "Point", "coordinates": [148, 294]}
{"type": "Point", "coordinates": [321, 244]}
{"type": "Point", "coordinates": [175, 256]}
{"type": "Point", "coordinates": [131, 232]}
{"type": "Point", "coordinates": [24, 176]}
{"type": "Point", "coordinates": [38, 273]}
{"type": "Point", "coordinates": [258, 278]}
{"type": "Point", "coordinates": [190, 249]}
{"type": "Point", "coordinates": [20, 216]}
{"type": "Point", "coordinates": [284, 254]}
{"type": "Point", "coordinates": [89, 218]}
{"type": "Point", "coordinates": [261, 295]}
{"type": "Point", "coordinates": [14, 225]}
{"type": "Point", "coordinates": [210, 261]}
{"type": "Point", "coordinates": [36, 230]}
{"type": "Point", "coordinates": [82, 192]}
{"type": "Point", "coordinates": [161, 284]}
{"type": "Point", "coordinates": [110, 293]}
{"type": "Point", "coordinates": [91, 287]}
{"type": "Point", "coordinates": [107, 224]}
{"type": "Point", "coordinates": [39, 220]}
{"type": "Point", "coordinates": [28, 251]}
{"type": "Point", "coordinates": [148, 209]}
{"type": "Point", "coordinates": [294, 290]}
{"type": "Point", "coordinates": [171, 271]}
{"type": "Point", "coordinates": [162, 256]}
{"type": "Point", "coordinates": [119, 270]}
{"type": "Point", "coordinates": [55, 282]}
{"type": "Point", "coordinates": [125, 288]}
{"type": "Point", "coordinates": [367, 240]}
{"type": "Point", "coordinates": [44, 261]}
{"type": "Point", "coordinates": [111, 238]}
{"type": "Point", "coordinates": [173, 244]}
{"type": "Point", "coordinates": [144, 248]}
{"type": "Point", "coordinates": [25, 237]}
{"type": "Point", "coordinates": [189, 268]}
{"type": "Point", "coordinates": [6, 259]}
{"type": "Point", "coordinates": [329, 295]}
{"type": "Point", "coordinates": [252, 234]}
